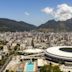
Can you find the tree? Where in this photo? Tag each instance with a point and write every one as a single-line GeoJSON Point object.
{"type": "Point", "coordinates": [7, 70]}
{"type": "Point", "coordinates": [44, 68]}
{"type": "Point", "coordinates": [11, 71]}
{"type": "Point", "coordinates": [32, 43]}
{"type": "Point", "coordinates": [1, 47]}
{"type": "Point", "coordinates": [56, 69]}
{"type": "Point", "coordinates": [50, 68]}
{"type": "Point", "coordinates": [17, 47]}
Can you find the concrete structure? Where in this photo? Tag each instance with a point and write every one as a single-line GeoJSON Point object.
{"type": "Point", "coordinates": [59, 54]}
{"type": "Point", "coordinates": [33, 51]}
{"type": "Point", "coordinates": [5, 49]}
{"type": "Point", "coordinates": [40, 62]}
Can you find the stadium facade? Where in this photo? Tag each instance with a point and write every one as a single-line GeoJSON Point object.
{"type": "Point", "coordinates": [60, 54]}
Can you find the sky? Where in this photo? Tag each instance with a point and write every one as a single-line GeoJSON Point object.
{"type": "Point", "coordinates": [36, 12]}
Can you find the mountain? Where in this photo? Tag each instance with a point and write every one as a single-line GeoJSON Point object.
{"type": "Point", "coordinates": [12, 25]}
{"type": "Point", "coordinates": [51, 26]}
{"type": "Point", "coordinates": [56, 26]}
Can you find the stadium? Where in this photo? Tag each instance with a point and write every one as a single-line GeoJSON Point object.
{"type": "Point", "coordinates": [59, 54]}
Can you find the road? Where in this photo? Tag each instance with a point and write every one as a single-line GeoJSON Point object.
{"type": "Point", "coordinates": [6, 63]}
{"type": "Point", "coordinates": [35, 56]}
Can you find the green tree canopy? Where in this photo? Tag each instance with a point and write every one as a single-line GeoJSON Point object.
{"type": "Point", "coordinates": [50, 68]}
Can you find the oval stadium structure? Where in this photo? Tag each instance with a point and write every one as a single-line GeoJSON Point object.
{"type": "Point", "coordinates": [59, 53]}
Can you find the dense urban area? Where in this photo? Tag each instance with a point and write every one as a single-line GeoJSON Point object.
{"type": "Point", "coordinates": [24, 51]}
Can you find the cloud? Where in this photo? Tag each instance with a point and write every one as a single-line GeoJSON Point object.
{"type": "Point", "coordinates": [26, 13]}
{"type": "Point", "coordinates": [47, 10]}
{"type": "Point", "coordinates": [62, 12]}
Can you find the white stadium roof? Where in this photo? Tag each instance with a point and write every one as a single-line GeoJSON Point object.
{"type": "Point", "coordinates": [33, 50]}
{"type": "Point", "coordinates": [56, 52]}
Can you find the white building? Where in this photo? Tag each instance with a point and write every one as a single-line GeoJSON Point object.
{"type": "Point", "coordinates": [22, 46]}
{"type": "Point", "coordinates": [5, 49]}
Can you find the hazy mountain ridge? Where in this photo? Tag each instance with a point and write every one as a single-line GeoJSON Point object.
{"type": "Point", "coordinates": [51, 25]}
{"type": "Point", "coordinates": [57, 26]}
{"type": "Point", "coordinates": [12, 25]}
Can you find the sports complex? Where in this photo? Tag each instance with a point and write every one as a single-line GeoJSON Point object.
{"type": "Point", "coordinates": [59, 54]}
